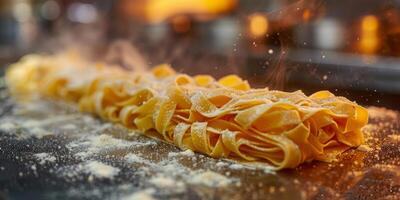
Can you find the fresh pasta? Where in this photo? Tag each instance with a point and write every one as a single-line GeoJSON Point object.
{"type": "Point", "coordinates": [222, 118]}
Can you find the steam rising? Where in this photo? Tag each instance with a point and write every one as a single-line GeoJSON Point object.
{"type": "Point", "coordinates": [122, 53]}
{"type": "Point", "coordinates": [288, 16]}
{"type": "Point", "coordinates": [91, 41]}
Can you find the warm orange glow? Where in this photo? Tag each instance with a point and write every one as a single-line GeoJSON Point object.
{"type": "Point", "coordinates": [160, 10]}
{"type": "Point", "coordinates": [369, 23]}
{"type": "Point", "coordinates": [181, 24]}
{"type": "Point", "coordinates": [306, 15]}
{"type": "Point", "coordinates": [258, 25]}
{"type": "Point", "coordinates": [369, 40]}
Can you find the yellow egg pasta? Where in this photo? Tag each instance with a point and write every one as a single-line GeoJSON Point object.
{"type": "Point", "coordinates": [222, 118]}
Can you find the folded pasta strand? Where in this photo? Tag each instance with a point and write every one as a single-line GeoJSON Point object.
{"type": "Point", "coordinates": [222, 118]}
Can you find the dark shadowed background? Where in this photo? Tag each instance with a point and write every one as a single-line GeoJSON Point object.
{"type": "Point", "coordinates": [349, 47]}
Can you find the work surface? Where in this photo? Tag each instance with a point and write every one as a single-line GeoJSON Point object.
{"type": "Point", "coordinates": [50, 151]}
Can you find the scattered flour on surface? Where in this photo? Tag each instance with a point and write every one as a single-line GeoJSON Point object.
{"type": "Point", "coordinates": [166, 170]}
{"type": "Point", "coordinates": [107, 141]}
{"type": "Point", "coordinates": [188, 153]}
{"type": "Point", "coordinates": [381, 113]}
{"type": "Point", "coordinates": [69, 127]}
{"type": "Point", "coordinates": [44, 158]}
{"type": "Point", "coordinates": [395, 137]}
{"type": "Point", "coordinates": [211, 179]}
{"type": "Point", "coordinates": [364, 148]}
{"type": "Point", "coordinates": [236, 166]}
{"type": "Point", "coordinates": [88, 119]}
{"type": "Point", "coordinates": [141, 195]}
{"type": "Point", "coordinates": [221, 164]}
{"type": "Point", "coordinates": [39, 132]}
{"type": "Point", "coordinates": [162, 181]}
{"type": "Point", "coordinates": [83, 193]}
{"type": "Point", "coordinates": [133, 158]}
{"type": "Point", "coordinates": [172, 168]}
{"type": "Point", "coordinates": [170, 171]}
{"type": "Point", "coordinates": [100, 170]}
{"type": "Point", "coordinates": [32, 129]}
{"type": "Point", "coordinates": [94, 144]}
{"type": "Point", "coordinates": [7, 126]}
{"type": "Point", "coordinates": [50, 120]}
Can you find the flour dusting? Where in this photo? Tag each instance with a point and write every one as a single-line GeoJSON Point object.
{"type": "Point", "coordinates": [211, 179]}
{"type": "Point", "coordinates": [44, 158]}
{"type": "Point", "coordinates": [94, 144]}
{"type": "Point", "coordinates": [100, 170]}
{"type": "Point", "coordinates": [140, 195]}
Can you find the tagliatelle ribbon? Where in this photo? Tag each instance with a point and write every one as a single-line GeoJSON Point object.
{"type": "Point", "coordinates": [222, 118]}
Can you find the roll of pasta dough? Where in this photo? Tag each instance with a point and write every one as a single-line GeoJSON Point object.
{"type": "Point", "coordinates": [222, 118]}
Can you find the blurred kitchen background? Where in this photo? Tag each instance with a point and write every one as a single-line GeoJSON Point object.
{"type": "Point", "coordinates": [349, 47]}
